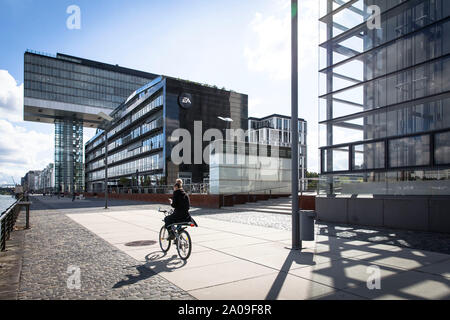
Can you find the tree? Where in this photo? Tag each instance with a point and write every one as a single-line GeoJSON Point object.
{"type": "Point", "coordinates": [124, 181]}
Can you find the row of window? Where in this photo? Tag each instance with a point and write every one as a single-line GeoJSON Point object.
{"type": "Point", "coordinates": [273, 136]}
{"type": "Point", "coordinates": [156, 102]}
{"type": "Point", "coordinates": [402, 152]}
{"type": "Point", "coordinates": [406, 21]}
{"type": "Point", "coordinates": [119, 127]}
{"type": "Point", "coordinates": [123, 90]}
{"type": "Point", "coordinates": [404, 53]}
{"type": "Point", "coordinates": [152, 143]}
{"type": "Point", "coordinates": [391, 122]}
{"type": "Point", "coordinates": [149, 163]}
{"type": "Point", "coordinates": [68, 70]}
{"type": "Point", "coordinates": [118, 95]}
{"type": "Point", "coordinates": [276, 123]}
{"type": "Point", "coordinates": [52, 96]}
{"type": "Point", "coordinates": [429, 79]}
{"type": "Point", "coordinates": [71, 78]}
{"type": "Point", "coordinates": [146, 127]}
{"type": "Point", "coordinates": [95, 144]}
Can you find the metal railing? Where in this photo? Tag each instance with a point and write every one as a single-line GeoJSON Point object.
{"type": "Point", "coordinates": [197, 188]}
{"type": "Point", "coordinates": [266, 191]}
{"type": "Point", "coordinates": [7, 221]}
{"type": "Point", "coordinates": [309, 185]}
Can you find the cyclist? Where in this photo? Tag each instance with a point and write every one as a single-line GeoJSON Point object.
{"type": "Point", "coordinates": [181, 204]}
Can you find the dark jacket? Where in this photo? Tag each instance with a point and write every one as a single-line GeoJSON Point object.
{"type": "Point", "coordinates": [181, 204]}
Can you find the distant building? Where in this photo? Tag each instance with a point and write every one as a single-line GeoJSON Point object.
{"type": "Point", "coordinates": [47, 179]}
{"type": "Point", "coordinates": [31, 180]}
{"type": "Point", "coordinates": [275, 130]}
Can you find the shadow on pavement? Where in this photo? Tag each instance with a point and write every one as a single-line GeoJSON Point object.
{"type": "Point", "coordinates": [305, 258]}
{"type": "Point", "coordinates": [153, 265]}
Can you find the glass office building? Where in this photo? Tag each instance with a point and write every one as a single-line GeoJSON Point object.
{"type": "Point", "coordinates": [70, 92]}
{"type": "Point", "coordinates": [140, 138]}
{"type": "Point", "coordinates": [385, 98]}
{"type": "Point", "coordinates": [275, 130]}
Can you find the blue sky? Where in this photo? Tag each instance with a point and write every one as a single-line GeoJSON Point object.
{"type": "Point", "coordinates": [240, 45]}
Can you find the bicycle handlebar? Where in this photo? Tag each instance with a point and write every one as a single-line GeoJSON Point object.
{"type": "Point", "coordinates": [166, 212]}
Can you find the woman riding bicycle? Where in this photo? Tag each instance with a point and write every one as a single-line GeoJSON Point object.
{"type": "Point", "coordinates": [181, 204]}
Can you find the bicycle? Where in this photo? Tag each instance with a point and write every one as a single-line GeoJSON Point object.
{"type": "Point", "coordinates": [182, 237]}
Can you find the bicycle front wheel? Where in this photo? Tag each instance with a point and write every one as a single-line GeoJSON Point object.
{"type": "Point", "coordinates": [184, 245]}
{"type": "Point", "coordinates": [164, 241]}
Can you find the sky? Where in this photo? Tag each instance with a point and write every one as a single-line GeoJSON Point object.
{"type": "Point", "coordinates": [240, 45]}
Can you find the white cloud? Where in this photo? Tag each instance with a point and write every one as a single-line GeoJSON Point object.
{"type": "Point", "coordinates": [22, 150]}
{"type": "Point", "coordinates": [272, 52]}
{"type": "Point", "coordinates": [11, 98]}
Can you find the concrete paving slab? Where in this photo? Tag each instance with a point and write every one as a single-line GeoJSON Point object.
{"type": "Point", "coordinates": [256, 250]}
{"type": "Point", "coordinates": [211, 275]}
{"type": "Point", "coordinates": [408, 285]}
{"type": "Point", "coordinates": [275, 236]}
{"type": "Point", "coordinates": [205, 238]}
{"type": "Point", "coordinates": [343, 273]}
{"type": "Point", "coordinates": [235, 241]}
{"type": "Point", "coordinates": [406, 259]}
{"type": "Point", "coordinates": [440, 268]}
{"type": "Point", "coordinates": [157, 261]}
{"type": "Point", "coordinates": [281, 286]}
{"type": "Point", "coordinates": [291, 260]}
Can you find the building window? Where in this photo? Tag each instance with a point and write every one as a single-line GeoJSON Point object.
{"type": "Point", "coordinates": [442, 148]}
{"type": "Point", "coordinates": [279, 122]}
{"type": "Point", "coordinates": [368, 156]}
{"type": "Point", "coordinates": [336, 159]}
{"type": "Point", "coordinates": [409, 152]}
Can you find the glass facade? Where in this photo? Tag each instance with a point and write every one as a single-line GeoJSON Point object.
{"type": "Point", "coordinates": [384, 105]}
{"type": "Point", "coordinates": [74, 80]}
{"type": "Point", "coordinates": [69, 175]}
{"type": "Point", "coordinates": [59, 89]}
{"type": "Point", "coordinates": [249, 168]}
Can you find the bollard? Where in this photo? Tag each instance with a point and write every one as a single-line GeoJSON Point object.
{"type": "Point", "coordinates": [3, 235]}
{"type": "Point", "coordinates": [27, 223]}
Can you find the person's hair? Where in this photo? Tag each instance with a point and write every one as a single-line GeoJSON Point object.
{"type": "Point", "coordinates": [179, 183]}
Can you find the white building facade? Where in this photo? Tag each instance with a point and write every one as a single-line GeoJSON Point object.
{"type": "Point", "coordinates": [275, 130]}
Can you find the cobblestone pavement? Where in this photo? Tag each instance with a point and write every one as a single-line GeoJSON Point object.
{"type": "Point", "coordinates": [55, 242]}
{"type": "Point", "coordinates": [436, 242]}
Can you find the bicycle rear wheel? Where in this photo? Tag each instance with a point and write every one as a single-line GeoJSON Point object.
{"type": "Point", "coordinates": [164, 241]}
{"type": "Point", "coordinates": [184, 245]}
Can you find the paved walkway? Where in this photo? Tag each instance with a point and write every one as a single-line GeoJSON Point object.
{"type": "Point", "coordinates": [56, 243]}
{"type": "Point", "coordinates": [230, 260]}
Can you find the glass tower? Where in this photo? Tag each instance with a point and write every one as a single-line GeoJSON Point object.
{"type": "Point", "coordinates": [384, 109]}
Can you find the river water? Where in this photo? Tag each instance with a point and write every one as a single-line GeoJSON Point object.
{"type": "Point", "coordinates": [6, 202]}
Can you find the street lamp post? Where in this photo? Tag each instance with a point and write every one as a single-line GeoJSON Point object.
{"type": "Point", "coordinates": [106, 169]}
{"type": "Point", "coordinates": [296, 240]}
{"type": "Point", "coordinates": [108, 119]}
